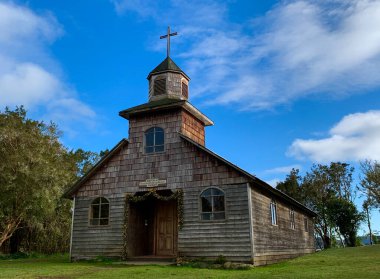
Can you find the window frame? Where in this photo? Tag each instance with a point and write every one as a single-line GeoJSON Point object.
{"type": "Point", "coordinates": [292, 219]}
{"type": "Point", "coordinates": [99, 218]}
{"type": "Point", "coordinates": [273, 213]}
{"type": "Point", "coordinates": [212, 212]}
{"type": "Point", "coordinates": [154, 146]}
{"type": "Point", "coordinates": [306, 223]}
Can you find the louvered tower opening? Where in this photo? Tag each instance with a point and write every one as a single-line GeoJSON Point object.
{"type": "Point", "coordinates": [185, 90]}
{"type": "Point", "coordinates": [159, 87]}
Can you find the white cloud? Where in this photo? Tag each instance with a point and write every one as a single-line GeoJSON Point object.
{"type": "Point", "coordinates": [299, 48]}
{"type": "Point", "coordinates": [356, 137]}
{"type": "Point", "coordinates": [283, 169]}
{"type": "Point", "coordinates": [28, 75]}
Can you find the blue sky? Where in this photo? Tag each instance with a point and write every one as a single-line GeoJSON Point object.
{"type": "Point", "coordinates": [287, 83]}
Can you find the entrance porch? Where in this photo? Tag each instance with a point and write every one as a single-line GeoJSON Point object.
{"type": "Point", "coordinates": [152, 228]}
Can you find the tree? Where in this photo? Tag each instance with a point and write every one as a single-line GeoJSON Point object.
{"type": "Point", "coordinates": [346, 218]}
{"type": "Point", "coordinates": [292, 185]}
{"type": "Point", "coordinates": [35, 170]}
{"type": "Point", "coordinates": [370, 183]}
{"type": "Point", "coordinates": [321, 185]}
{"type": "Point", "coordinates": [367, 207]}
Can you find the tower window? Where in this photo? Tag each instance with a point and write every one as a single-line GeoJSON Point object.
{"type": "Point", "coordinates": [212, 200]}
{"type": "Point", "coordinates": [185, 90]}
{"type": "Point", "coordinates": [159, 86]}
{"type": "Point", "coordinates": [154, 140]}
{"type": "Point", "coordinates": [100, 211]}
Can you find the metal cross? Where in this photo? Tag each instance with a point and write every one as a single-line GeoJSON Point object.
{"type": "Point", "coordinates": [168, 40]}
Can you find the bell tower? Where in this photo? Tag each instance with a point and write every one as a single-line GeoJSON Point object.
{"type": "Point", "coordinates": [167, 80]}
{"type": "Point", "coordinates": [168, 109]}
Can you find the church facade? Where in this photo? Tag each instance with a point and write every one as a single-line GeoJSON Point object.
{"type": "Point", "coordinates": [162, 193]}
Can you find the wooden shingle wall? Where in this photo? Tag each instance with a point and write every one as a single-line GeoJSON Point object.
{"type": "Point", "coordinates": [185, 166]}
{"type": "Point", "coordinates": [229, 237]}
{"type": "Point", "coordinates": [92, 241]}
{"type": "Point", "coordinates": [277, 242]}
{"type": "Point", "coordinates": [193, 128]}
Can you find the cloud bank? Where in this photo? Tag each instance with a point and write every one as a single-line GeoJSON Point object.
{"type": "Point", "coordinates": [329, 49]}
{"type": "Point", "coordinates": [28, 75]}
{"type": "Point", "coordinates": [354, 138]}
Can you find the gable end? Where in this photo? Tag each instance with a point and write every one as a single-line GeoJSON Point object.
{"type": "Point", "coordinates": [73, 189]}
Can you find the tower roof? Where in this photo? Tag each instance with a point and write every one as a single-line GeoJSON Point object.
{"type": "Point", "coordinates": [167, 65]}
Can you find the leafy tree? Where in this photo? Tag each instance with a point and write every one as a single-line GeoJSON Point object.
{"type": "Point", "coordinates": [368, 204]}
{"type": "Point", "coordinates": [371, 182]}
{"type": "Point", "coordinates": [35, 170]}
{"type": "Point", "coordinates": [340, 179]}
{"type": "Point", "coordinates": [292, 185]}
{"type": "Point", "coordinates": [346, 217]}
{"type": "Point", "coordinates": [31, 172]}
{"type": "Point", "coordinates": [321, 185]}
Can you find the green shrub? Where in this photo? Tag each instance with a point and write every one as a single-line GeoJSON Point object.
{"type": "Point", "coordinates": [220, 259]}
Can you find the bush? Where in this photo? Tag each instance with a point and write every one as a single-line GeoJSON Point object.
{"type": "Point", "coordinates": [220, 259]}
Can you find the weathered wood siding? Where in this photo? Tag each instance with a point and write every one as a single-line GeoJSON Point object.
{"type": "Point", "coordinates": [183, 166]}
{"type": "Point", "coordinates": [92, 241]}
{"type": "Point", "coordinates": [229, 237]}
{"type": "Point", "coordinates": [272, 243]}
{"type": "Point", "coordinates": [193, 128]}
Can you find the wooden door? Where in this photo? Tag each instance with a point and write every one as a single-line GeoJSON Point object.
{"type": "Point", "coordinates": [166, 229]}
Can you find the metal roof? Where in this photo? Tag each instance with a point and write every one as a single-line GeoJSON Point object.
{"type": "Point", "coordinates": [167, 65]}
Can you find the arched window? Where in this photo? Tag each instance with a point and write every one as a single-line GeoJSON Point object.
{"type": "Point", "coordinates": [154, 140]}
{"type": "Point", "coordinates": [100, 212]}
{"type": "Point", "coordinates": [212, 200]}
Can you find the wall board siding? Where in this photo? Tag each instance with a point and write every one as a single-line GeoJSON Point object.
{"type": "Point", "coordinates": [183, 166]}
{"type": "Point", "coordinates": [229, 237]}
{"type": "Point", "coordinates": [89, 241]}
{"type": "Point", "coordinates": [277, 242]}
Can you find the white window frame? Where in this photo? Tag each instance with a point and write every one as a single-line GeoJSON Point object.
{"type": "Point", "coordinates": [273, 212]}
{"type": "Point", "coordinates": [292, 219]}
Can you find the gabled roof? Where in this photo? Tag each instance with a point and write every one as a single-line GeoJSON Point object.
{"type": "Point", "coordinates": [163, 104]}
{"type": "Point", "coordinates": [167, 65]}
{"type": "Point", "coordinates": [69, 193]}
{"type": "Point", "coordinates": [251, 177]}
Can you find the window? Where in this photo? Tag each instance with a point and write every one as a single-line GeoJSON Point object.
{"type": "Point", "coordinates": [185, 90]}
{"type": "Point", "coordinates": [292, 223]}
{"type": "Point", "coordinates": [159, 86]}
{"type": "Point", "coordinates": [154, 140]}
{"type": "Point", "coordinates": [273, 212]}
{"type": "Point", "coordinates": [212, 200]}
{"type": "Point", "coordinates": [306, 224]}
{"type": "Point", "coordinates": [100, 211]}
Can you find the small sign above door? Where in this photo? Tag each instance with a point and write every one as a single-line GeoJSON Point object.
{"type": "Point", "coordinates": [152, 182]}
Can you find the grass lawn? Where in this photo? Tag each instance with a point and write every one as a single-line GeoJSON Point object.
{"type": "Point", "coordinates": [360, 262]}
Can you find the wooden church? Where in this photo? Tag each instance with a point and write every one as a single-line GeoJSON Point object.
{"type": "Point", "coordinates": [162, 193]}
